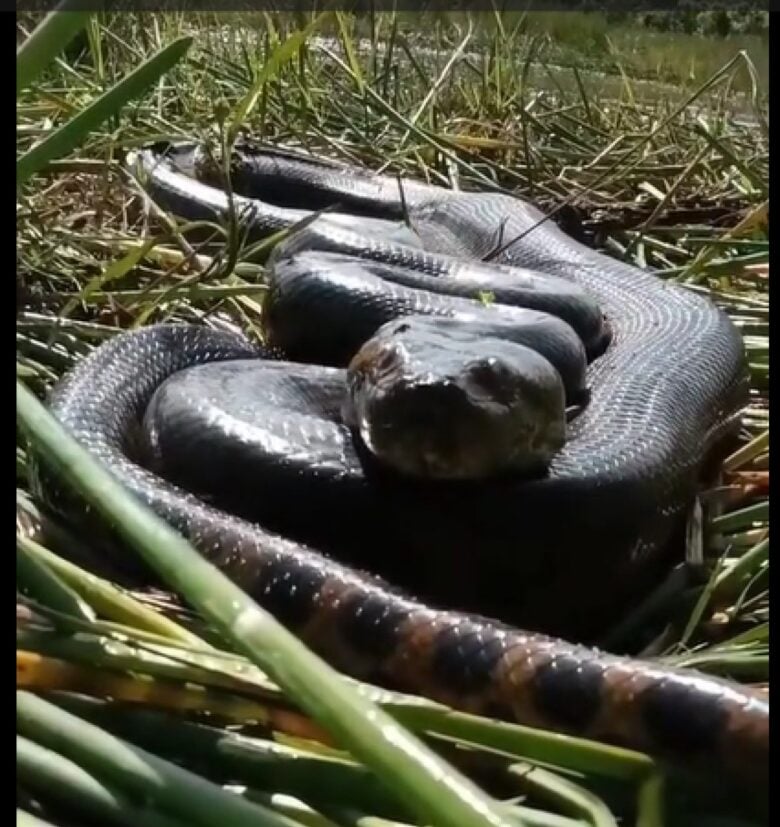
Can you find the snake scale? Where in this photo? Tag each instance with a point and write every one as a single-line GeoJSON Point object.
{"type": "Point", "coordinates": [667, 380]}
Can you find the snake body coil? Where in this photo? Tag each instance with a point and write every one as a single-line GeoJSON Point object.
{"type": "Point", "coordinates": [668, 383]}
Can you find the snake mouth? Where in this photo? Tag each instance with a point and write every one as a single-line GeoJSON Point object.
{"type": "Point", "coordinates": [441, 432]}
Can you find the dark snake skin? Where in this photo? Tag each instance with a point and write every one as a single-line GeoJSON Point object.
{"type": "Point", "coordinates": [668, 387]}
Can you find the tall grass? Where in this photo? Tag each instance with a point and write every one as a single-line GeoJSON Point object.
{"type": "Point", "coordinates": [598, 42]}
{"type": "Point", "coordinates": [677, 182]}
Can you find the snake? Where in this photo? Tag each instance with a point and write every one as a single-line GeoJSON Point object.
{"type": "Point", "coordinates": [371, 275]}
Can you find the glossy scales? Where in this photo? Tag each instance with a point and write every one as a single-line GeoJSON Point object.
{"type": "Point", "coordinates": [669, 385]}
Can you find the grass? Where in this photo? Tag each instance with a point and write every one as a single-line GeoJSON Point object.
{"type": "Point", "coordinates": [533, 104]}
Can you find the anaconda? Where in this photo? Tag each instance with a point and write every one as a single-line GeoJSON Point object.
{"type": "Point", "coordinates": [666, 379]}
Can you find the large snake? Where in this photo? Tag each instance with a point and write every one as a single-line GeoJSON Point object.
{"type": "Point", "coordinates": [666, 378]}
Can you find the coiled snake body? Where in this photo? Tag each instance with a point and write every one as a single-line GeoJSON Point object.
{"type": "Point", "coordinates": [668, 383]}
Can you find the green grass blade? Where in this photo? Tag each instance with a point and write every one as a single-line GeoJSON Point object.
{"type": "Point", "coordinates": [258, 763]}
{"type": "Point", "coordinates": [573, 799]}
{"type": "Point", "coordinates": [71, 134]}
{"type": "Point", "coordinates": [283, 53]}
{"type": "Point", "coordinates": [110, 601]}
{"type": "Point", "coordinates": [703, 129]}
{"type": "Point", "coordinates": [137, 772]}
{"type": "Point", "coordinates": [431, 787]}
{"type": "Point", "coordinates": [526, 743]}
{"type": "Point", "coordinates": [25, 819]}
{"type": "Point", "coordinates": [730, 581]}
{"type": "Point", "coordinates": [49, 38]}
{"type": "Point", "coordinates": [57, 778]}
{"type": "Point", "coordinates": [650, 801]}
{"type": "Point", "coordinates": [747, 453]}
{"type": "Point", "coordinates": [745, 517]}
{"type": "Point", "coordinates": [349, 51]}
{"type": "Point", "coordinates": [45, 585]}
{"type": "Point", "coordinates": [115, 271]}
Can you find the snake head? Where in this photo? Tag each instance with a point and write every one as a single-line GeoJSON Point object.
{"type": "Point", "coordinates": [427, 406]}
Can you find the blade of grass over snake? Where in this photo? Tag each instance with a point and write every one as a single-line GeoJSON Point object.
{"type": "Point", "coordinates": [68, 136]}
{"type": "Point", "coordinates": [433, 789]}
